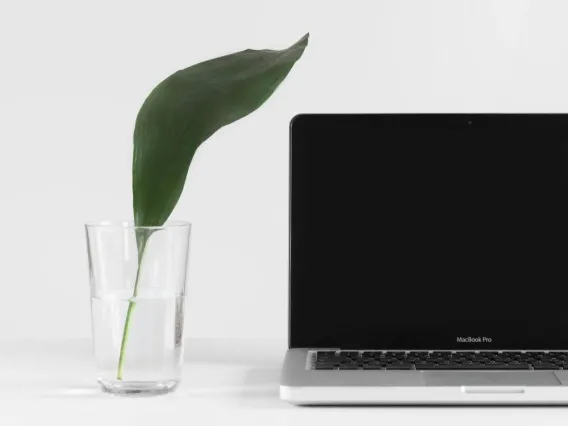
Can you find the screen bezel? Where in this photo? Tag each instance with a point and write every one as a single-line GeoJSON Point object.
{"type": "Point", "coordinates": [513, 334]}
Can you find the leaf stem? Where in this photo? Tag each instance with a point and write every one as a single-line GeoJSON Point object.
{"type": "Point", "coordinates": [131, 306]}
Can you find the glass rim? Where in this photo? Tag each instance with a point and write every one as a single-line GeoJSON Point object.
{"type": "Point", "coordinates": [129, 224]}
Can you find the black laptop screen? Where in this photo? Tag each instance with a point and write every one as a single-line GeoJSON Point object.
{"type": "Point", "coordinates": [429, 232]}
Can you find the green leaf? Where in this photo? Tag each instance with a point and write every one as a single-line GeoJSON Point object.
{"type": "Point", "coordinates": [187, 108]}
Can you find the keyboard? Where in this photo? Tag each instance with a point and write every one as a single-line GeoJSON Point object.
{"type": "Point", "coordinates": [432, 360]}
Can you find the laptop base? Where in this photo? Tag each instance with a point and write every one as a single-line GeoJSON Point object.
{"type": "Point", "coordinates": [304, 386]}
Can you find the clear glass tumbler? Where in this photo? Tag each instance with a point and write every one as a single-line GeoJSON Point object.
{"type": "Point", "coordinates": [138, 278]}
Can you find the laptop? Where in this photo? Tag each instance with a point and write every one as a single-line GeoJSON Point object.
{"type": "Point", "coordinates": [428, 259]}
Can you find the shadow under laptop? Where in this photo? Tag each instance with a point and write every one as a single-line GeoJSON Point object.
{"type": "Point", "coordinates": [435, 406]}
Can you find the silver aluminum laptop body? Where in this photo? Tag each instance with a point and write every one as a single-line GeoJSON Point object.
{"type": "Point", "coordinates": [303, 385]}
{"type": "Point", "coordinates": [329, 313]}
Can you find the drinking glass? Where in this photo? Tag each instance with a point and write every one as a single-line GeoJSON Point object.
{"type": "Point", "coordinates": [137, 281]}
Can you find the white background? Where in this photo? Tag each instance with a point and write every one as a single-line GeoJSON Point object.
{"type": "Point", "coordinates": [73, 75]}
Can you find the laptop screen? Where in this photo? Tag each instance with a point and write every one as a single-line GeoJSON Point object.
{"type": "Point", "coordinates": [429, 232]}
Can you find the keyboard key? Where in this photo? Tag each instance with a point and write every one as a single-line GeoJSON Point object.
{"type": "Point", "coordinates": [326, 360]}
{"type": "Point", "coordinates": [450, 366]}
{"type": "Point", "coordinates": [326, 353]}
{"type": "Point", "coordinates": [425, 366]}
{"type": "Point", "coordinates": [520, 366]}
{"type": "Point", "coordinates": [325, 367]}
{"type": "Point", "coordinates": [399, 367]}
{"type": "Point", "coordinates": [322, 357]}
{"type": "Point", "coordinates": [349, 353]}
{"type": "Point", "coordinates": [375, 362]}
{"type": "Point", "coordinates": [545, 366]}
{"type": "Point", "coordinates": [348, 367]}
{"type": "Point", "coordinates": [373, 367]}
{"type": "Point", "coordinates": [472, 366]}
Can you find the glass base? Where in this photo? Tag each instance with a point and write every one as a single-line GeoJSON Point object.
{"type": "Point", "coordinates": [130, 388]}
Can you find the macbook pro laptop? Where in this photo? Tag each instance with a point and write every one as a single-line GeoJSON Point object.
{"type": "Point", "coordinates": [428, 259]}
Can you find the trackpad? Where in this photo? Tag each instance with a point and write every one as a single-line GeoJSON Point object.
{"type": "Point", "coordinates": [490, 378]}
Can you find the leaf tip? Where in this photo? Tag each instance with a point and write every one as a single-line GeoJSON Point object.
{"type": "Point", "coordinates": [300, 45]}
{"type": "Point", "coordinates": [304, 39]}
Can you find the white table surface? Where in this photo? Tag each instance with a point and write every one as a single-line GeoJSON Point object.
{"type": "Point", "coordinates": [225, 383]}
